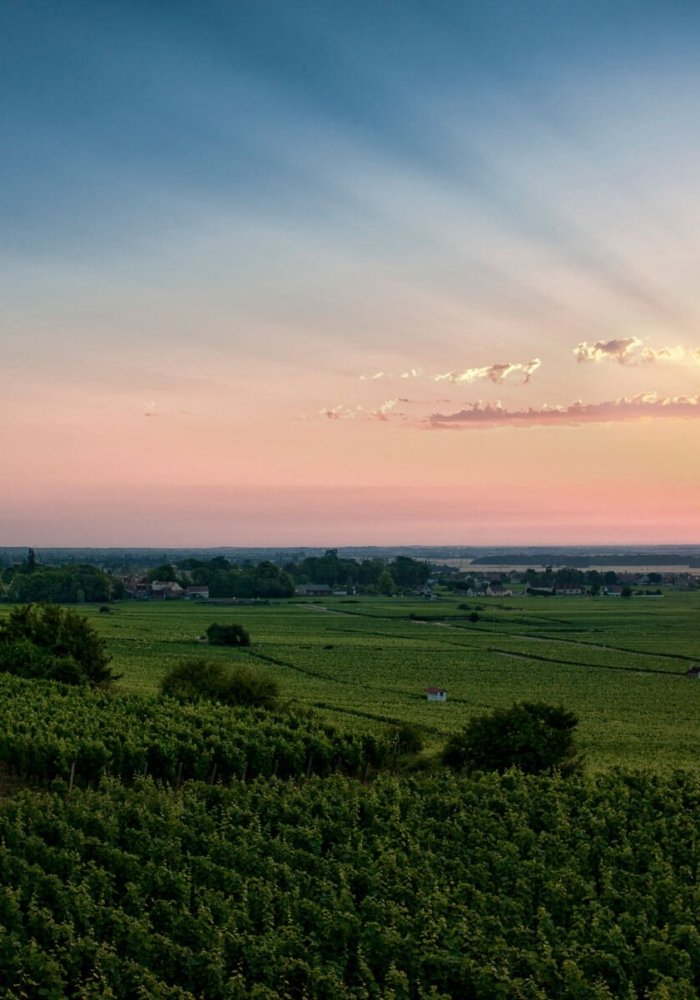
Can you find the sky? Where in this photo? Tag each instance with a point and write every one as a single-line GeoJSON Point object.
{"type": "Point", "coordinates": [360, 272]}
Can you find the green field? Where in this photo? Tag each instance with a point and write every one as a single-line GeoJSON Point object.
{"type": "Point", "coordinates": [364, 663]}
{"type": "Point", "coordinates": [149, 848]}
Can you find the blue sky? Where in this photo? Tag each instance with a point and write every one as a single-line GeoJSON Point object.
{"type": "Point", "coordinates": [243, 212]}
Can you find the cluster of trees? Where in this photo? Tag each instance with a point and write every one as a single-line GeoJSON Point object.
{"type": "Point", "coordinates": [368, 576]}
{"type": "Point", "coordinates": [269, 580]}
{"type": "Point", "coordinates": [71, 583]}
{"type": "Point", "coordinates": [247, 581]}
{"type": "Point", "coordinates": [55, 643]}
{"type": "Point", "coordinates": [566, 577]}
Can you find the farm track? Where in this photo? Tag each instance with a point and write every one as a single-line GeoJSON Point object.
{"type": "Point", "coordinates": [580, 642]}
{"type": "Point", "coordinates": [576, 663]}
{"type": "Point", "coordinates": [371, 715]}
{"type": "Point", "coordinates": [617, 649]}
{"type": "Point", "coordinates": [302, 670]}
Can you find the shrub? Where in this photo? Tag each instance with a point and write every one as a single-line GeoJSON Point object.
{"type": "Point", "coordinates": [196, 679]}
{"type": "Point", "coordinates": [54, 643]}
{"type": "Point", "coordinates": [532, 736]}
{"type": "Point", "coordinates": [474, 616]}
{"type": "Point", "coordinates": [227, 635]}
{"type": "Point", "coordinates": [405, 739]}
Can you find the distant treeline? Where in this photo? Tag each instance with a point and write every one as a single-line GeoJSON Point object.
{"type": "Point", "coordinates": [268, 580]}
{"type": "Point", "coordinates": [574, 561]}
{"type": "Point", "coordinates": [566, 578]}
{"type": "Point", "coordinates": [30, 582]}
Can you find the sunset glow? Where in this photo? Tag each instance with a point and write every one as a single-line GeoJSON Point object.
{"type": "Point", "coordinates": [355, 273]}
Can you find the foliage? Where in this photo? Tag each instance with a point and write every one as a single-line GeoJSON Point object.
{"type": "Point", "coordinates": [71, 584]}
{"type": "Point", "coordinates": [165, 573]}
{"type": "Point", "coordinates": [405, 739]}
{"type": "Point", "coordinates": [55, 643]}
{"type": "Point", "coordinates": [245, 582]}
{"type": "Point", "coordinates": [227, 635]}
{"type": "Point", "coordinates": [619, 665]}
{"type": "Point", "coordinates": [47, 731]}
{"type": "Point", "coordinates": [532, 736]}
{"type": "Point", "coordinates": [423, 889]}
{"type": "Point", "coordinates": [209, 680]}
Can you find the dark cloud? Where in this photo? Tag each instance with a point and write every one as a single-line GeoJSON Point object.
{"type": "Point", "coordinates": [485, 415]}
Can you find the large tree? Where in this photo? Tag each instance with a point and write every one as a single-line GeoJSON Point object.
{"type": "Point", "coordinates": [46, 640]}
{"type": "Point", "coordinates": [532, 736]}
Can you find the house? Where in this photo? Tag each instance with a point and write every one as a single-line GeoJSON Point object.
{"type": "Point", "coordinates": [201, 593]}
{"type": "Point", "coordinates": [137, 587]}
{"type": "Point", "coordinates": [436, 694]}
{"type": "Point", "coordinates": [164, 590]}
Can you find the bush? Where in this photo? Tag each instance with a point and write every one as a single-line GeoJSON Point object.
{"type": "Point", "coordinates": [405, 739]}
{"type": "Point", "coordinates": [532, 736]}
{"type": "Point", "coordinates": [195, 680]}
{"type": "Point", "coordinates": [474, 616]}
{"type": "Point", "coordinates": [52, 642]}
{"type": "Point", "coordinates": [227, 635]}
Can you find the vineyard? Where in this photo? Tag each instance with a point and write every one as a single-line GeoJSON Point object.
{"type": "Point", "coordinates": [411, 889]}
{"type": "Point", "coordinates": [153, 849]}
{"type": "Point", "coordinates": [363, 665]}
{"type": "Point", "coordinates": [49, 731]}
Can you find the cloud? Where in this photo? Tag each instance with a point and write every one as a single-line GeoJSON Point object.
{"type": "Point", "coordinates": [621, 350]}
{"type": "Point", "coordinates": [495, 373]}
{"type": "Point", "coordinates": [678, 354]}
{"type": "Point", "coordinates": [340, 412]}
{"type": "Point", "coordinates": [372, 378]}
{"type": "Point", "coordinates": [412, 373]}
{"type": "Point", "coordinates": [631, 351]}
{"type": "Point", "coordinates": [485, 415]}
{"type": "Point", "coordinates": [383, 411]}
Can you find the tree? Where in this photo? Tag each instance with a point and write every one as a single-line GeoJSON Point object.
{"type": "Point", "coordinates": [405, 739]}
{"type": "Point", "coordinates": [198, 679]}
{"type": "Point", "coordinates": [532, 736]}
{"type": "Point", "coordinates": [165, 573]}
{"type": "Point", "coordinates": [409, 573]}
{"type": "Point", "coordinates": [227, 635]}
{"type": "Point", "coordinates": [52, 642]}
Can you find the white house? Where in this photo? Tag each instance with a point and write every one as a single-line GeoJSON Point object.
{"type": "Point", "coordinates": [436, 694]}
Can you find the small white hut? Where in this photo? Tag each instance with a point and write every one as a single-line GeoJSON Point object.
{"type": "Point", "coordinates": [436, 694]}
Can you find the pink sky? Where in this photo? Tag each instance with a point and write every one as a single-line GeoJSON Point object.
{"type": "Point", "coordinates": [334, 280]}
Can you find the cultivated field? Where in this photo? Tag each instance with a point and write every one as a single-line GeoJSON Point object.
{"type": "Point", "coordinates": [364, 663]}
